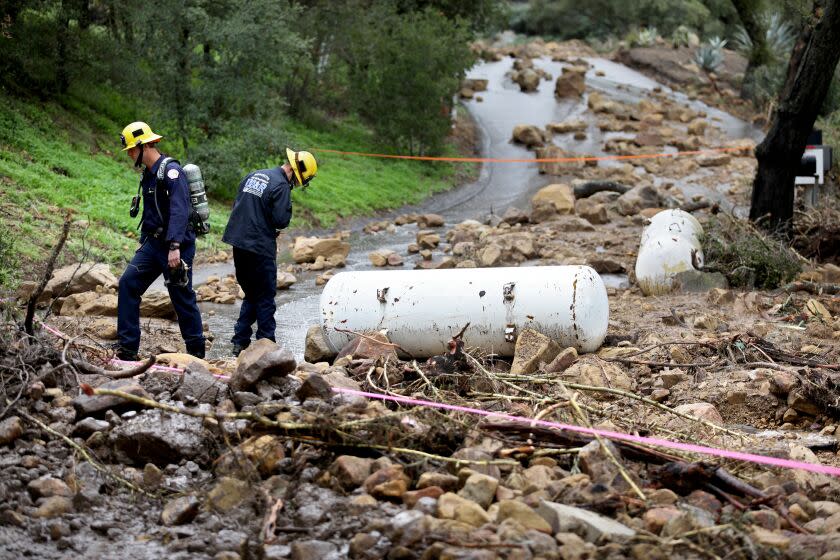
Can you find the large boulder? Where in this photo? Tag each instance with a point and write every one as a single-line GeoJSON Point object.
{"type": "Point", "coordinates": [159, 437]}
{"type": "Point", "coordinates": [77, 278]}
{"type": "Point", "coordinates": [571, 82]}
{"type": "Point", "coordinates": [529, 135]}
{"type": "Point", "coordinates": [636, 199]}
{"type": "Point", "coordinates": [308, 249]}
{"type": "Point", "coordinates": [567, 161]}
{"type": "Point", "coordinates": [558, 196]}
{"type": "Point", "coordinates": [264, 358]}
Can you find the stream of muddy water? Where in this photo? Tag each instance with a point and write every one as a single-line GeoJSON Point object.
{"type": "Point", "coordinates": [498, 186]}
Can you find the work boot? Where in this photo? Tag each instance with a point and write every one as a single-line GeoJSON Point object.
{"type": "Point", "coordinates": [237, 349]}
{"type": "Point", "coordinates": [198, 352]}
{"type": "Point", "coordinates": [124, 354]}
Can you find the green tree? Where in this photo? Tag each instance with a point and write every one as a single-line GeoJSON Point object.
{"type": "Point", "coordinates": [404, 69]}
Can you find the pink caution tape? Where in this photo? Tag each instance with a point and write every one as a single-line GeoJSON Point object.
{"type": "Point", "coordinates": [725, 453]}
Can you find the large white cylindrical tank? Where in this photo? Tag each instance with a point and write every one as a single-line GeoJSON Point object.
{"type": "Point", "coordinates": [423, 309]}
{"type": "Point", "coordinates": [670, 245]}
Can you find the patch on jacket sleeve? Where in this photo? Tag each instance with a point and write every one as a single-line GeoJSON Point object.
{"type": "Point", "coordinates": [172, 173]}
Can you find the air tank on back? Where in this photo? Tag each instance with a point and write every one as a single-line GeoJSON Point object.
{"type": "Point", "coordinates": [422, 309]}
{"type": "Point", "coordinates": [198, 198]}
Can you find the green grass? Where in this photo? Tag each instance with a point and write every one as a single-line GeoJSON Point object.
{"type": "Point", "coordinates": [56, 156]}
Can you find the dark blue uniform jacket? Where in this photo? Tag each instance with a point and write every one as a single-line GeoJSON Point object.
{"type": "Point", "coordinates": [263, 206]}
{"type": "Point", "coordinates": [173, 200]}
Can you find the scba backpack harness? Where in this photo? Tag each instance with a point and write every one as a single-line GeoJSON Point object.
{"type": "Point", "coordinates": [199, 220]}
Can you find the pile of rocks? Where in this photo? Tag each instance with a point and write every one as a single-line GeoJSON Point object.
{"type": "Point", "coordinates": [220, 290]}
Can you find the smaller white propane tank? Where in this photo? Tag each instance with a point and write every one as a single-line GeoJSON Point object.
{"type": "Point", "coordinates": [669, 245]}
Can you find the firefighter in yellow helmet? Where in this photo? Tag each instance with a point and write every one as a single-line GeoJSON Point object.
{"type": "Point", "coordinates": [167, 244]}
{"type": "Point", "coordinates": [263, 207]}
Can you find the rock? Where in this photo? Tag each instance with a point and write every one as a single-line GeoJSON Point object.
{"type": "Point", "coordinates": [48, 486]}
{"type": "Point", "coordinates": [228, 493]}
{"type": "Point", "coordinates": [699, 281]}
{"type": "Point", "coordinates": [430, 221]}
{"type": "Point", "coordinates": [672, 378]}
{"type": "Point", "coordinates": [412, 497]}
{"type": "Point", "coordinates": [513, 216]}
{"type": "Point", "coordinates": [814, 308]}
{"type": "Point", "coordinates": [53, 507]}
{"type": "Point", "coordinates": [590, 371]}
{"type": "Point", "coordinates": [350, 471]}
{"type": "Point", "coordinates": [522, 514]}
{"type": "Point", "coordinates": [106, 329]}
{"type": "Point", "coordinates": [97, 404]}
{"type": "Point", "coordinates": [182, 361]}
{"type": "Point", "coordinates": [558, 195]}
{"type": "Point", "coordinates": [577, 125]}
{"type": "Point", "coordinates": [587, 524]}
{"type": "Point", "coordinates": [78, 278]}
{"type": "Point", "coordinates": [370, 347]}
{"type": "Point", "coordinates": [766, 518]}
{"type": "Point", "coordinates": [389, 482]}
{"type": "Point", "coordinates": [157, 305]}
{"type": "Point", "coordinates": [571, 223]}
{"type": "Point", "coordinates": [89, 304]}
{"type": "Point", "coordinates": [11, 428]}
{"type": "Point", "coordinates": [701, 410]}
{"type": "Point", "coordinates": [285, 280]}
{"type": "Point", "coordinates": [395, 259]}
{"type": "Point", "coordinates": [452, 506]}
{"type": "Point", "coordinates": [568, 160]}
{"type": "Point", "coordinates": [179, 511]}
{"type": "Point", "coordinates": [379, 257]}
{"type": "Point", "coordinates": [466, 93]}
{"type": "Point", "coordinates": [317, 348]}
{"type": "Point", "coordinates": [262, 359]}
{"type": "Point", "coordinates": [490, 255]}
{"type": "Point", "coordinates": [308, 249]}
{"type": "Point", "coordinates": [475, 84]}
{"type": "Point", "coordinates": [606, 266]}
{"type": "Point", "coordinates": [159, 437]}
{"type": "Point", "coordinates": [697, 127]}
{"type": "Point", "coordinates": [480, 489]}
{"type": "Point", "coordinates": [563, 360]}
{"type": "Point", "coordinates": [663, 497]}
{"type": "Point", "coordinates": [655, 519]}
{"type": "Point", "coordinates": [596, 463]}
{"type": "Point", "coordinates": [826, 508]}
{"type": "Point", "coordinates": [199, 385]}
{"type": "Point", "coordinates": [712, 160]}
{"type": "Point", "coordinates": [769, 538]}
{"type": "Point", "coordinates": [427, 239]}
{"type": "Point", "coordinates": [444, 480]}
{"type": "Point", "coordinates": [797, 401]}
{"type": "Point", "coordinates": [314, 386]}
{"type": "Point", "coordinates": [592, 211]}
{"type": "Point", "coordinates": [527, 79]}
{"type": "Point", "coordinates": [312, 549]}
{"type": "Point", "coordinates": [532, 349]}
{"type": "Point", "coordinates": [570, 83]}
{"type": "Point", "coordinates": [88, 426]}
{"type": "Point", "coordinates": [636, 199]}
{"type": "Point", "coordinates": [529, 135]}
{"type": "Point", "coordinates": [262, 453]}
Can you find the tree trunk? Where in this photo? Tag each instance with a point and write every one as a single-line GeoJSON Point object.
{"type": "Point", "coordinates": [750, 13]}
{"type": "Point", "coordinates": [809, 75]}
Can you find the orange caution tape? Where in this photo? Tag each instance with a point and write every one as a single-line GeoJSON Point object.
{"type": "Point", "coordinates": [533, 160]}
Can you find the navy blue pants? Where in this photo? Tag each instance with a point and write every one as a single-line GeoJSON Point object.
{"type": "Point", "coordinates": [257, 276]}
{"type": "Point", "coordinates": [149, 262]}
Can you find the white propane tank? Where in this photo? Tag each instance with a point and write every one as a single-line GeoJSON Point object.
{"type": "Point", "coordinates": [423, 309]}
{"type": "Point", "coordinates": [670, 245]}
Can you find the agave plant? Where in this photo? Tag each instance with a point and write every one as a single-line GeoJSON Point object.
{"type": "Point", "coordinates": [709, 57]}
{"type": "Point", "coordinates": [681, 37]}
{"type": "Point", "coordinates": [780, 36]}
{"type": "Point", "coordinates": [717, 43]}
{"type": "Point", "coordinates": [647, 37]}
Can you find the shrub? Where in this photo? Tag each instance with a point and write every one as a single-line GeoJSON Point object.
{"type": "Point", "coordinates": [8, 262]}
{"type": "Point", "coordinates": [708, 57]}
{"type": "Point", "coordinates": [748, 258]}
{"type": "Point", "coordinates": [681, 37]}
{"type": "Point", "coordinates": [779, 33]}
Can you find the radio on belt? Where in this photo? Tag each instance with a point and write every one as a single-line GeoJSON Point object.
{"type": "Point", "coordinates": [815, 162]}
